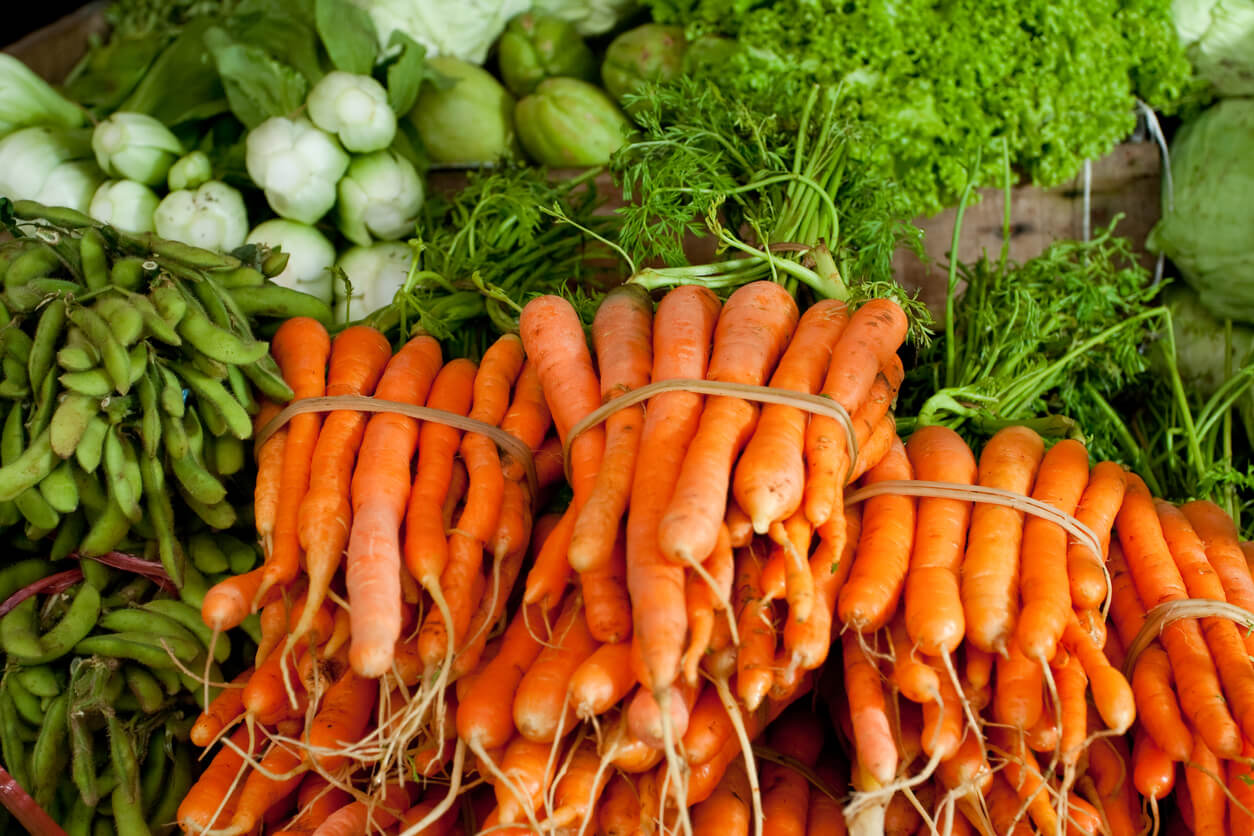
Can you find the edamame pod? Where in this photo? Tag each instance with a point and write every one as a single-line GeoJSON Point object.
{"type": "Point", "coordinates": [23, 644]}
{"type": "Point", "coordinates": [205, 364]}
{"type": "Point", "coordinates": [62, 216]}
{"type": "Point", "coordinates": [228, 455]}
{"type": "Point", "coordinates": [154, 325]}
{"type": "Point", "coordinates": [138, 647]}
{"type": "Point", "coordinates": [75, 358]}
{"type": "Point", "coordinates": [207, 390]}
{"type": "Point", "coordinates": [189, 617]}
{"type": "Point", "coordinates": [28, 297]}
{"type": "Point", "coordinates": [117, 363]}
{"type": "Point", "coordinates": [29, 707]}
{"type": "Point", "coordinates": [36, 260]}
{"type": "Point", "coordinates": [17, 345]}
{"type": "Point", "coordinates": [44, 345]}
{"type": "Point", "coordinates": [172, 398]}
{"type": "Point", "coordinates": [36, 510]}
{"type": "Point", "coordinates": [220, 516]}
{"type": "Point", "coordinates": [278, 302]}
{"type": "Point", "coordinates": [94, 258]}
{"type": "Point", "coordinates": [119, 485]}
{"type": "Point", "coordinates": [161, 515]}
{"type": "Point", "coordinates": [242, 557]}
{"type": "Point", "coordinates": [91, 444]}
{"type": "Point", "coordinates": [169, 301]}
{"type": "Point", "coordinates": [22, 573]}
{"type": "Point", "coordinates": [176, 787]}
{"type": "Point", "coordinates": [146, 622]}
{"type": "Point", "coordinates": [240, 389]}
{"type": "Point", "coordinates": [49, 755]}
{"type": "Point", "coordinates": [70, 422]}
{"type": "Point", "coordinates": [59, 490]}
{"type": "Point", "coordinates": [199, 482]}
{"type": "Point", "coordinates": [146, 688]}
{"type": "Point", "coordinates": [203, 550]}
{"type": "Point", "coordinates": [150, 415]}
{"type": "Point", "coordinates": [128, 272]}
{"type": "Point", "coordinates": [243, 276]}
{"type": "Point", "coordinates": [174, 436]}
{"type": "Point", "coordinates": [69, 532]}
{"type": "Point", "coordinates": [123, 318]}
{"type": "Point", "coordinates": [107, 530]}
{"type": "Point", "coordinates": [79, 818]}
{"type": "Point", "coordinates": [153, 773]}
{"type": "Point", "coordinates": [187, 254]}
{"type": "Point", "coordinates": [26, 471]}
{"type": "Point", "coordinates": [265, 375]}
{"type": "Point", "coordinates": [40, 680]}
{"type": "Point", "coordinates": [128, 808]}
{"type": "Point", "coordinates": [11, 733]}
{"type": "Point", "coordinates": [45, 402]}
{"type": "Point", "coordinates": [213, 420]}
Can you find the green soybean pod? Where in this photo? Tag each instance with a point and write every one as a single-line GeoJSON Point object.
{"type": "Point", "coordinates": [14, 384]}
{"type": "Point", "coordinates": [188, 254]}
{"type": "Point", "coordinates": [36, 510]}
{"type": "Point", "coordinates": [26, 471]}
{"type": "Point", "coordinates": [278, 302]}
{"type": "Point", "coordinates": [59, 490]}
{"type": "Point", "coordinates": [90, 447]}
{"type": "Point", "coordinates": [153, 769]}
{"type": "Point", "coordinates": [70, 421]}
{"type": "Point", "coordinates": [206, 555]}
{"type": "Point", "coordinates": [138, 647]}
{"type": "Point", "coordinates": [169, 301]}
{"type": "Point", "coordinates": [240, 389]}
{"type": "Point", "coordinates": [176, 787]}
{"type": "Point", "coordinates": [92, 253]}
{"type": "Point", "coordinates": [200, 483]}
{"type": "Point", "coordinates": [94, 382]}
{"type": "Point", "coordinates": [174, 436]}
{"type": "Point", "coordinates": [50, 754]}
{"type": "Point", "coordinates": [128, 272]}
{"type": "Point", "coordinates": [150, 415]}
{"type": "Point", "coordinates": [29, 297]}
{"type": "Point", "coordinates": [242, 558]}
{"type": "Point", "coordinates": [11, 744]}
{"type": "Point", "coordinates": [265, 375]}
{"type": "Point", "coordinates": [210, 391]}
{"type": "Point", "coordinates": [40, 680]}
{"type": "Point", "coordinates": [62, 216]}
{"type": "Point", "coordinates": [146, 622]}
{"type": "Point", "coordinates": [69, 532]}
{"type": "Point", "coordinates": [145, 687]}
{"type": "Point", "coordinates": [75, 358]}
{"type": "Point", "coordinates": [242, 276]}
{"type": "Point", "coordinates": [129, 594]}
{"type": "Point", "coordinates": [172, 397]}
{"type": "Point", "coordinates": [107, 529]}
{"type": "Point", "coordinates": [45, 402]}
{"type": "Point", "coordinates": [120, 485]}
{"type": "Point", "coordinates": [44, 344]}
{"type": "Point", "coordinates": [214, 420]}
{"type": "Point", "coordinates": [194, 587]}
{"type": "Point", "coordinates": [229, 455]}
{"type": "Point", "coordinates": [28, 706]}
{"type": "Point", "coordinates": [73, 626]}
{"type": "Point", "coordinates": [123, 318]}
{"type": "Point", "coordinates": [36, 261]}
{"type": "Point", "coordinates": [78, 819]}
{"type": "Point", "coordinates": [161, 515]}
{"type": "Point", "coordinates": [219, 516]}
{"type": "Point", "coordinates": [22, 573]}
{"type": "Point", "coordinates": [117, 363]}
{"type": "Point", "coordinates": [189, 617]}
{"type": "Point", "coordinates": [17, 345]}
{"type": "Point", "coordinates": [128, 810]}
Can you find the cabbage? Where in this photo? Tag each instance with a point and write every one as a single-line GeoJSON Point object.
{"type": "Point", "coordinates": [1209, 233]}
{"type": "Point", "coordinates": [590, 17]}
{"type": "Point", "coordinates": [1218, 36]}
{"type": "Point", "coordinates": [465, 29]}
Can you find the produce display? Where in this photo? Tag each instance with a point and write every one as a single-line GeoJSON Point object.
{"type": "Point", "coordinates": [434, 418]}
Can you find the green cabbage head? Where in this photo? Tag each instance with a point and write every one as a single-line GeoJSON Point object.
{"type": "Point", "coordinates": [1209, 232]}
{"type": "Point", "coordinates": [1218, 36]}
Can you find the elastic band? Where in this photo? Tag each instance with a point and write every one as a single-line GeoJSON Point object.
{"type": "Point", "coordinates": [817, 404]}
{"type": "Point", "coordinates": [1157, 619]}
{"type": "Point", "coordinates": [508, 444]}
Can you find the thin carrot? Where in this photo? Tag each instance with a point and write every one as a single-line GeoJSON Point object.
{"type": "Point", "coordinates": [266, 488]}
{"type": "Point", "coordinates": [528, 418]}
{"type": "Point", "coordinates": [879, 568]}
{"type": "Point", "coordinates": [808, 642]}
{"type": "Point", "coordinates": [726, 812]}
{"type": "Point", "coordinates": [542, 704]}
{"type": "Point", "coordinates": [526, 764]}
{"type": "Point", "coordinates": [913, 677]}
{"type": "Point", "coordinates": [607, 605]}
{"type": "Point", "coordinates": [770, 477]}
{"type": "Point", "coordinates": [683, 325]}
{"type": "Point", "coordinates": [316, 799]}
{"type": "Point", "coordinates": [1044, 588]}
{"type": "Point", "coordinates": [1017, 699]}
{"type": "Point", "coordinates": [620, 808]}
{"type": "Point", "coordinates": [1241, 783]}
{"type": "Point", "coordinates": [362, 817]}
{"type": "Point", "coordinates": [934, 616]}
{"type": "Point", "coordinates": [1204, 775]}
{"type": "Point", "coordinates": [1071, 683]}
{"type": "Point", "coordinates": [224, 710]}
{"type": "Point", "coordinates": [498, 370]}
{"type": "Point", "coordinates": [874, 333]}
{"type": "Point", "coordinates": [602, 680]}
{"type": "Point", "coordinates": [622, 337]}
{"type": "Point", "coordinates": [752, 331]}
{"type": "Point", "coordinates": [703, 601]}
{"type": "Point", "coordinates": [756, 655]}
{"type": "Point", "coordinates": [1112, 693]}
{"type": "Point", "coordinates": [1110, 768]}
{"type": "Point", "coordinates": [301, 347]}
{"type": "Point", "coordinates": [578, 791]}
{"type": "Point", "coordinates": [882, 437]}
{"type": "Point", "coordinates": [278, 775]}
{"type": "Point", "coordinates": [211, 801]}
{"type": "Point", "coordinates": [380, 494]}
{"type": "Point", "coordinates": [872, 731]}
{"type": "Point", "coordinates": [443, 826]}
{"type": "Point", "coordinates": [462, 584]}
{"type": "Point", "coordinates": [1223, 550]}
{"type": "Point", "coordinates": [1024, 776]}
{"type": "Point", "coordinates": [826, 817]}
{"type": "Point", "coordinates": [1097, 510]}
{"type": "Point", "coordinates": [990, 568]}
{"type": "Point", "coordinates": [942, 720]}
{"type": "Point", "coordinates": [785, 791]}
{"type": "Point", "coordinates": [342, 718]}
{"type": "Point", "coordinates": [1158, 580]}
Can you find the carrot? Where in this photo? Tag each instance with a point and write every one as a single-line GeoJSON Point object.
{"type": "Point", "coordinates": [211, 800]}
{"type": "Point", "coordinates": [607, 606]}
{"type": "Point", "coordinates": [900, 817]}
{"type": "Point", "coordinates": [602, 680]}
{"type": "Point", "coordinates": [462, 584]}
{"type": "Point", "coordinates": [1024, 776]}
{"type": "Point", "coordinates": [1110, 768]}
{"type": "Point", "coordinates": [1017, 698]}
{"type": "Point", "coordinates": [1223, 550]}
{"type": "Point", "coordinates": [1233, 664]}
{"type": "Point", "coordinates": [968, 769]}
{"type": "Point", "coordinates": [934, 616]}
{"type": "Point", "coordinates": [739, 526]}
{"type": "Point", "coordinates": [726, 812]}
{"type": "Point", "coordinates": [498, 370]}
{"type": "Point", "coordinates": [554, 340]}
{"type": "Point", "coordinates": [1071, 683]}
{"type": "Point", "coordinates": [978, 674]}
{"type": "Point", "coordinates": [874, 333]}
{"type": "Point", "coordinates": [990, 568]}
{"type": "Point", "coordinates": [301, 347]}
{"type": "Point", "coordinates": [362, 817]}
{"type": "Point", "coordinates": [682, 327]}
{"type": "Point", "coordinates": [266, 488]}
{"type": "Point", "coordinates": [646, 716]}
{"type": "Point", "coordinates": [770, 476]}
{"type": "Point", "coordinates": [879, 568]}
{"type": "Point", "coordinates": [619, 814]}
{"type": "Point", "coordinates": [702, 601]}
{"type": "Point", "coordinates": [1157, 580]}
{"type": "Point", "coordinates": [341, 719]}
{"type": "Point", "coordinates": [1204, 775]}
{"type": "Point", "coordinates": [316, 799]}
{"type": "Point", "coordinates": [1097, 509]}
{"type": "Point", "coordinates": [380, 494]}
{"type": "Point", "coordinates": [526, 765]}
{"type": "Point", "coordinates": [229, 601]}
{"type": "Point", "coordinates": [1044, 589]}
{"type": "Point", "coordinates": [1003, 807]}
{"type": "Point", "coordinates": [550, 572]}
{"type": "Point", "coordinates": [528, 418]}
{"type": "Point", "coordinates": [756, 655]}
{"type": "Point", "coordinates": [751, 334]}
{"type": "Point", "coordinates": [622, 338]}
{"type": "Point", "coordinates": [1112, 693]}
{"type": "Point", "coordinates": [1241, 783]}
{"type": "Point", "coordinates": [577, 791]}
{"type": "Point", "coordinates": [277, 776]}
{"type": "Point", "coordinates": [628, 753]}
{"type": "Point", "coordinates": [912, 676]}
{"type": "Point", "coordinates": [825, 816]}
{"type": "Point", "coordinates": [808, 642]}
{"type": "Point", "coordinates": [443, 826]}
{"type": "Point", "coordinates": [489, 611]}
{"type": "Point", "coordinates": [542, 704]}
{"type": "Point", "coordinates": [224, 710]}
{"type": "Point", "coordinates": [785, 791]}
{"type": "Point", "coordinates": [872, 731]}
{"type": "Point", "coordinates": [942, 721]}
{"type": "Point", "coordinates": [358, 355]}
{"type": "Point", "coordinates": [426, 542]}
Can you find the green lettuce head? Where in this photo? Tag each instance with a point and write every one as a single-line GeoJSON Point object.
{"type": "Point", "coordinates": [1218, 36]}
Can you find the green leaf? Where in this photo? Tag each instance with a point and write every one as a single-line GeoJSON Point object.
{"type": "Point", "coordinates": [284, 29]}
{"type": "Point", "coordinates": [348, 35]}
{"type": "Point", "coordinates": [257, 86]}
{"type": "Point", "coordinates": [110, 71]}
{"type": "Point", "coordinates": [406, 73]}
{"type": "Point", "coordinates": [182, 84]}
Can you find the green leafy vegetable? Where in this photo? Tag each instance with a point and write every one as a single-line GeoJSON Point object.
{"type": "Point", "coordinates": [348, 35]}
{"type": "Point", "coordinates": [257, 86]}
{"type": "Point", "coordinates": [406, 73]}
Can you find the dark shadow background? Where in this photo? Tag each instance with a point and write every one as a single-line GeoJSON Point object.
{"type": "Point", "coordinates": [35, 16]}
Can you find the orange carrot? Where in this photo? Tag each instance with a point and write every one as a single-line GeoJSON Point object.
{"type": "Point", "coordinates": [341, 719]}
{"type": "Point", "coordinates": [702, 601]}
{"type": "Point", "coordinates": [942, 720]}
{"type": "Point", "coordinates": [1157, 580]}
{"type": "Point", "coordinates": [602, 680]}
{"type": "Point", "coordinates": [269, 474]}
{"type": "Point", "coordinates": [1017, 699]}
{"type": "Point", "coordinates": [542, 703]}
{"type": "Point", "coordinates": [990, 569]}
{"type": "Point", "coordinates": [210, 802]}
{"type": "Point", "coordinates": [277, 776]}
{"type": "Point", "coordinates": [726, 812]}
{"type": "Point", "coordinates": [380, 494]}
{"type": "Point", "coordinates": [1204, 776]}
{"type": "Point", "coordinates": [1024, 776]}
{"type": "Point", "coordinates": [1044, 589]}
{"type": "Point", "coordinates": [316, 799]}
{"type": "Point", "coordinates": [872, 731]}
{"type": "Point", "coordinates": [1112, 693]}
{"type": "Point", "coordinates": [1097, 510]}
{"type": "Point", "coordinates": [607, 605]}
{"type": "Point", "coordinates": [739, 526]}
{"type": "Point", "coordinates": [683, 324]}
{"type": "Point", "coordinates": [221, 712]}
{"type": "Point", "coordinates": [362, 817]}
{"type": "Point", "coordinates": [1223, 550]}
{"type": "Point", "coordinates": [301, 347]}
{"type": "Point", "coordinates": [622, 337]}
{"type": "Point", "coordinates": [934, 615]}
{"type": "Point", "coordinates": [879, 568]}
{"type": "Point", "coordinates": [1153, 772]}
{"type": "Point", "coordinates": [808, 643]}
{"type": "Point", "coordinates": [770, 476]}
{"type": "Point", "coordinates": [527, 419]}
{"type": "Point", "coordinates": [443, 826]}
{"type": "Point", "coordinates": [785, 791]}
{"type": "Point", "coordinates": [1241, 783]}
{"type": "Point", "coordinates": [1071, 683]}
{"type": "Point", "coordinates": [913, 677]}
{"type": "Point", "coordinates": [755, 658]}
{"type": "Point", "coordinates": [752, 332]}
{"type": "Point", "coordinates": [426, 542]}
{"type": "Point", "coordinates": [577, 791]}
{"type": "Point", "coordinates": [526, 765]}
{"type": "Point", "coordinates": [875, 332]}
{"type": "Point", "coordinates": [1110, 767]}
{"type": "Point", "coordinates": [826, 817]}
{"type": "Point", "coordinates": [1003, 808]}
{"type": "Point", "coordinates": [498, 370]}
{"type": "Point", "coordinates": [620, 808]}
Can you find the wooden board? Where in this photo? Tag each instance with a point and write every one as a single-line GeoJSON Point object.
{"type": "Point", "coordinates": [55, 49]}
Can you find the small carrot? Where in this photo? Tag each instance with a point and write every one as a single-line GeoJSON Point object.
{"type": "Point", "coordinates": [1044, 589]}
{"type": "Point", "coordinates": [879, 568]}
{"type": "Point", "coordinates": [277, 775]}
{"type": "Point", "coordinates": [1241, 783]}
{"type": "Point", "coordinates": [622, 333]}
{"type": "Point", "coordinates": [1112, 693]}
{"type": "Point", "coordinates": [462, 584]}
{"type": "Point", "coordinates": [1097, 509]}
{"type": "Point", "coordinates": [526, 764]}
{"type": "Point", "coordinates": [785, 791]}
{"type": "Point", "coordinates": [755, 658]}
{"type": "Point", "coordinates": [380, 495]}
{"type": "Point", "coordinates": [1110, 767]}
{"type": "Point", "coordinates": [1223, 550]}
{"type": "Point", "coordinates": [620, 808]}
{"type": "Point", "coordinates": [1204, 775]}
{"type": "Point", "coordinates": [752, 331]}
{"type": "Point", "coordinates": [1156, 703]}
{"type": "Point", "coordinates": [872, 730]}
{"type": "Point", "coordinates": [703, 601]}
{"type": "Point", "coordinates": [990, 568]}
{"type": "Point", "coordinates": [826, 817]}
{"type": "Point", "coordinates": [809, 642]}
{"type": "Point", "coordinates": [316, 799]}
{"type": "Point", "coordinates": [874, 333]}
{"type": "Point", "coordinates": [602, 680]}
{"type": "Point", "coordinates": [1024, 776]}
{"type": "Point", "coordinates": [498, 370]}
{"type": "Point", "coordinates": [647, 717]}
{"type": "Point", "coordinates": [211, 800]}
{"type": "Point", "coordinates": [934, 615]}
{"type": "Point", "coordinates": [1017, 699]}
{"type": "Point", "coordinates": [607, 605]}
{"type": "Point", "coordinates": [342, 718]}
{"type": "Point", "coordinates": [267, 486]}
{"type": "Point", "coordinates": [229, 601]}
{"type": "Point", "coordinates": [225, 709]}
{"type": "Point", "coordinates": [362, 817]}
{"type": "Point", "coordinates": [1071, 683]}
{"type": "Point", "coordinates": [578, 790]}
{"type": "Point", "coordinates": [528, 419]}
{"type": "Point", "coordinates": [914, 678]}
{"type": "Point", "coordinates": [770, 476]}
{"type": "Point", "coordinates": [727, 811]}
{"type": "Point", "coordinates": [942, 721]}
{"type": "Point", "coordinates": [542, 703]}
{"type": "Point", "coordinates": [739, 526]}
